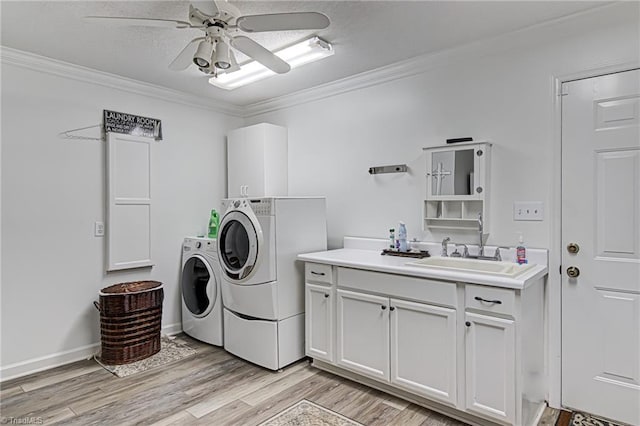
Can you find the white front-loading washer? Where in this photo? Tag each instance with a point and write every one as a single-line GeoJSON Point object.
{"type": "Point", "coordinates": [201, 293]}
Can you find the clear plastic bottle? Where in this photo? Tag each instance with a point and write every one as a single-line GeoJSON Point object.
{"type": "Point", "coordinates": [402, 238]}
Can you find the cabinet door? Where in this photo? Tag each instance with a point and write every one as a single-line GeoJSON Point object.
{"type": "Point", "coordinates": [319, 322]}
{"type": "Point", "coordinates": [490, 367]}
{"type": "Point", "coordinates": [245, 162]}
{"type": "Point", "coordinates": [423, 349]}
{"type": "Point", "coordinates": [363, 333]}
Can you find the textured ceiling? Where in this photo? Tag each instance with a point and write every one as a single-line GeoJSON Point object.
{"type": "Point", "coordinates": [365, 34]}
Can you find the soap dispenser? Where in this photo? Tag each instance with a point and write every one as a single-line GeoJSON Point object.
{"type": "Point", "coordinates": [521, 251]}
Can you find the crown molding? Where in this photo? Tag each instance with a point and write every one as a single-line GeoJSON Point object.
{"type": "Point", "coordinates": [424, 63]}
{"type": "Point", "coordinates": [31, 61]}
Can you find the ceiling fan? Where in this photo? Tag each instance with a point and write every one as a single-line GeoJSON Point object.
{"type": "Point", "coordinates": [222, 23]}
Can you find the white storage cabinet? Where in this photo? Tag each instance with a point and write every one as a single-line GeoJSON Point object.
{"type": "Point", "coordinates": [257, 161]}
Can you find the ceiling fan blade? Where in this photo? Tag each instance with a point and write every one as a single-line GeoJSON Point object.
{"type": "Point", "coordinates": [208, 7]}
{"type": "Point", "coordinates": [260, 54]}
{"type": "Point", "coordinates": [147, 22]}
{"type": "Point", "coordinates": [185, 57]}
{"type": "Point", "coordinates": [283, 22]}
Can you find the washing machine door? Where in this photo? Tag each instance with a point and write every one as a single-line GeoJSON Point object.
{"type": "Point", "coordinates": [199, 290]}
{"type": "Point", "coordinates": [239, 241]}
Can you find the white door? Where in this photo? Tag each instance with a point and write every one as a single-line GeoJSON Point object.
{"type": "Point", "coordinates": [423, 349]}
{"type": "Point", "coordinates": [601, 214]}
{"type": "Point", "coordinates": [319, 322]}
{"type": "Point", "coordinates": [490, 366]}
{"type": "Point", "coordinates": [363, 333]}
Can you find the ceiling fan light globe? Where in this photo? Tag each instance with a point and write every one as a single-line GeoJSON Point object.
{"type": "Point", "coordinates": [221, 57]}
{"type": "Point", "coordinates": [201, 63]}
{"type": "Point", "coordinates": [223, 65]}
{"type": "Point", "coordinates": [202, 57]}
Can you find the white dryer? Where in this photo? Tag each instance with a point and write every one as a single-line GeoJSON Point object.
{"type": "Point", "coordinates": [200, 288]}
{"type": "Point", "coordinates": [263, 284]}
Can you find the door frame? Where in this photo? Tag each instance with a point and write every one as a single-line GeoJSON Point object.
{"type": "Point", "coordinates": [554, 285]}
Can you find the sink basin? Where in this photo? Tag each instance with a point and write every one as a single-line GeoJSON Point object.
{"type": "Point", "coordinates": [502, 269]}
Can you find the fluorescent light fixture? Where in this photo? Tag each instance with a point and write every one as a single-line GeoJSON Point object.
{"type": "Point", "coordinates": [306, 51]}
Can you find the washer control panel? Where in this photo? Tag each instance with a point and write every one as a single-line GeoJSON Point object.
{"type": "Point", "coordinates": [260, 206]}
{"type": "Point", "coordinates": [199, 244]}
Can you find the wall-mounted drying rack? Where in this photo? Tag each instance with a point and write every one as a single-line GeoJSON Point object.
{"type": "Point", "coordinates": [68, 134]}
{"type": "Point", "coordinates": [397, 168]}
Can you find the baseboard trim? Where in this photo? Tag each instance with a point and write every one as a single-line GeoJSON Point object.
{"type": "Point", "coordinates": [35, 365]}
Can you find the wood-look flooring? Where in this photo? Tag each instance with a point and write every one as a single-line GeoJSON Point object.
{"type": "Point", "coordinates": [211, 388]}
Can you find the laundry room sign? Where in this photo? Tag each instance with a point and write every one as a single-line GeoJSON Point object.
{"type": "Point", "coordinates": [135, 125]}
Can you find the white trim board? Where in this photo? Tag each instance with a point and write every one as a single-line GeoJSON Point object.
{"type": "Point", "coordinates": [35, 365]}
{"type": "Point", "coordinates": [47, 65]}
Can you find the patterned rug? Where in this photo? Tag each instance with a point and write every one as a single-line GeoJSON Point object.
{"type": "Point", "coordinates": [306, 413]}
{"type": "Point", "coordinates": [170, 350]}
{"type": "Point", "coordinates": [577, 418]}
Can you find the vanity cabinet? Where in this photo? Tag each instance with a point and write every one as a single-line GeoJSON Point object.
{"type": "Point", "coordinates": [363, 333]}
{"type": "Point", "coordinates": [391, 340]}
{"type": "Point", "coordinates": [320, 312]}
{"type": "Point", "coordinates": [457, 186]}
{"type": "Point", "coordinates": [257, 161]}
{"type": "Point", "coordinates": [490, 366]}
{"type": "Point", "coordinates": [423, 349]}
{"type": "Point", "coordinates": [471, 351]}
{"type": "Point", "coordinates": [491, 351]}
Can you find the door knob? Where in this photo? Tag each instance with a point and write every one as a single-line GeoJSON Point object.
{"type": "Point", "coordinates": [573, 248]}
{"type": "Point", "coordinates": [573, 272]}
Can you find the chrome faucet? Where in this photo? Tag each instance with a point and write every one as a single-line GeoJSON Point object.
{"type": "Point", "coordinates": [444, 247]}
{"type": "Point", "coordinates": [480, 232]}
{"type": "Point", "coordinates": [497, 255]}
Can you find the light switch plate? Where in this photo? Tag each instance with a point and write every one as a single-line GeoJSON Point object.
{"type": "Point", "coordinates": [528, 210]}
{"type": "Point", "coordinates": [99, 229]}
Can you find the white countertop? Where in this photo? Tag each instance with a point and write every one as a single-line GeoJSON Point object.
{"type": "Point", "coordinates": [372, 260]}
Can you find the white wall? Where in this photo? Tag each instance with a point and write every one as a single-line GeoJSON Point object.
{"type": "Point", "coordinates": [53, 191]}
{"type": "Point", "coordinates": [501, 90]}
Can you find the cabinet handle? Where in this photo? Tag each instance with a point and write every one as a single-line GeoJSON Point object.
{"type": "Point", "coordinates": [468, 324]}
{"type": "Point", "coordinates": [318, 273]}
{"type": "Point", "coordinates": [392, 308]}
{"type": "Point", "coordinates": [383, 307]}
{"type": "Point", "coordinates": [326, 295]}
{"type": "Point", "coordinates": [497, 302]}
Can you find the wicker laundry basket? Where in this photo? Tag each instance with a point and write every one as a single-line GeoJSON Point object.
{"type": "Point", "coordinates": [130, 320]}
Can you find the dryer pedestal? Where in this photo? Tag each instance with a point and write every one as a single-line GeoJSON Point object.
{"type": "Point", "coordinates": [270, 344]}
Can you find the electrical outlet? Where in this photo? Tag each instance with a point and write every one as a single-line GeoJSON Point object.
{"type": "Point", "coordinates": [99, 229]}
{"type": "Point", "coordinates": [528, 210]}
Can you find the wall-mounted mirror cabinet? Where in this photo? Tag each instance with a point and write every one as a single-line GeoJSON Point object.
{"type": "Point", "coordinates": [457, 189]}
